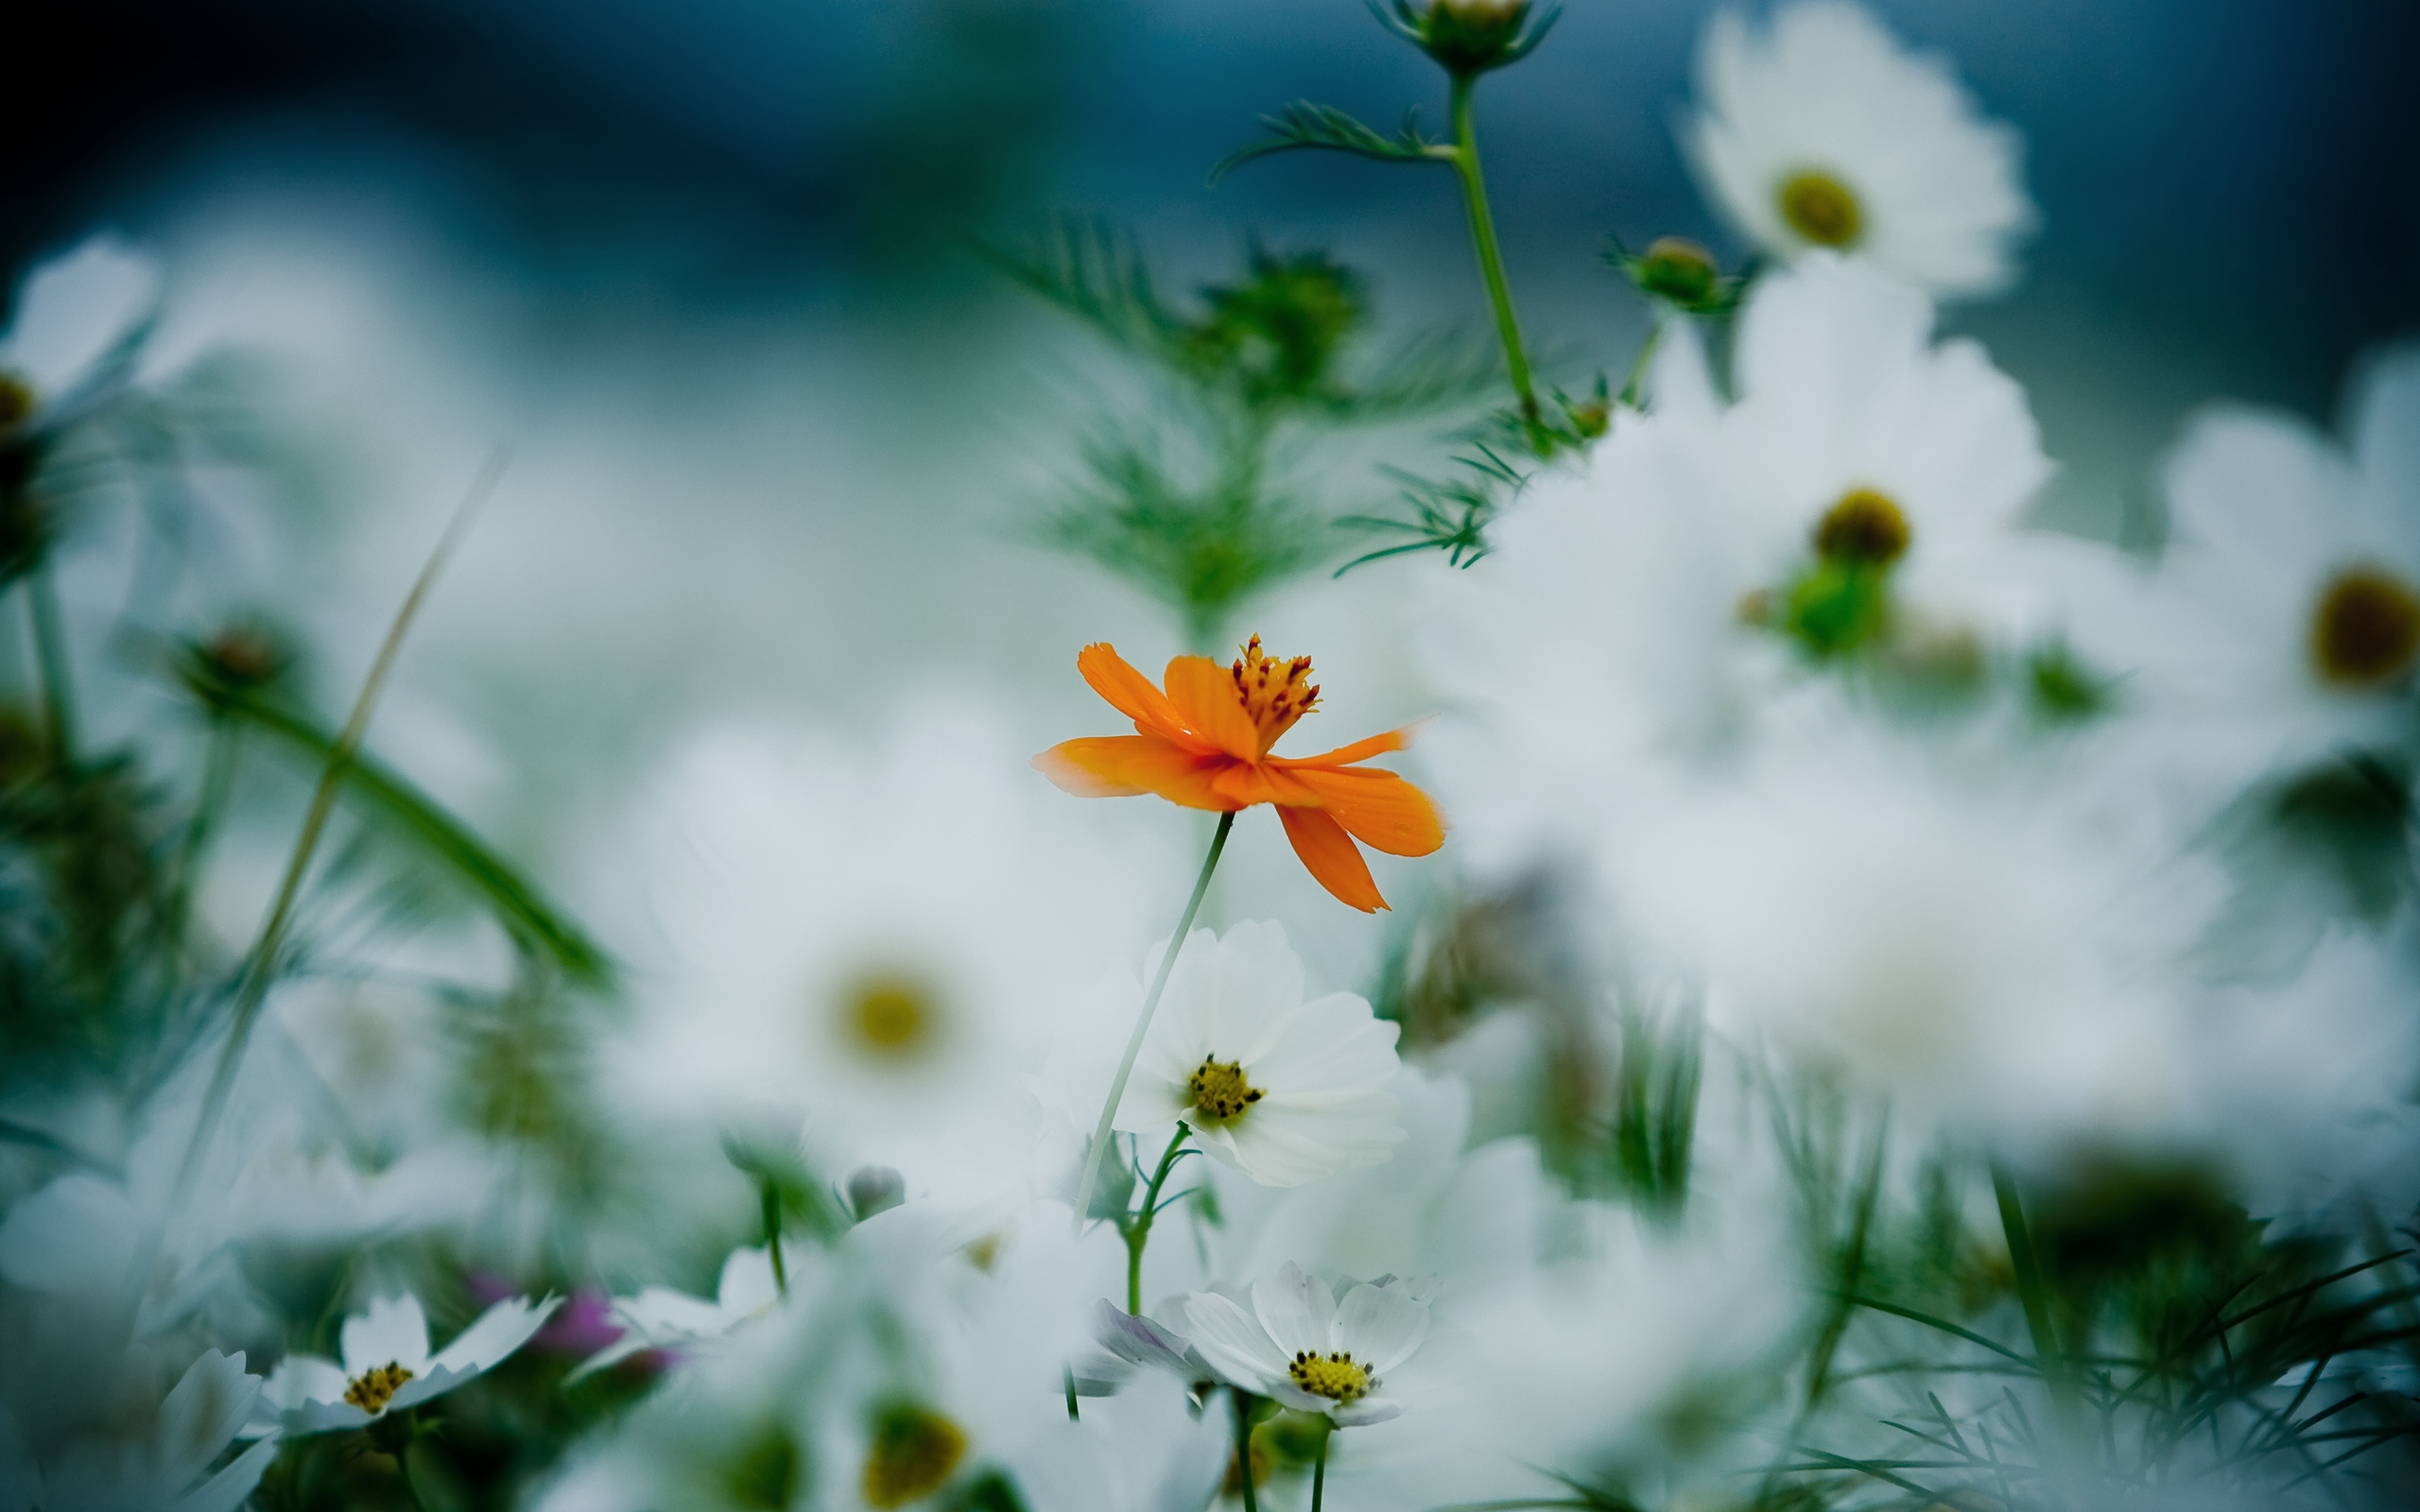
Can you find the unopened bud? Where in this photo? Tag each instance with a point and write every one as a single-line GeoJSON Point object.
{"type": "Point", "coordinates": [1679, 270]}
{"type": "Point", "coordinates": [876, 1189]}
{"type": "Point", "coordinates": [246, 656]}
{"type": "Point", "coordinates": [1470, 37]}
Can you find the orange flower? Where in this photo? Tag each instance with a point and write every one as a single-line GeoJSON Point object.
{"type": "Point", "coordinates": [1204, 743]}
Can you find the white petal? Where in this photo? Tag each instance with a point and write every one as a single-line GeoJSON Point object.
{"type": "Point", "coordinates": [202, 1415]}
{"type": "Point", "coordinates": [394, 1332]}
{"type": "Point", "coordinates": [73, 309]}
{"type": "Point", "coordinates": [1381, 1325]}
{"type": "Point", "coordinates": [1227, 1338]}
{"type": "Point", "coordinates": [1297, 1311]}
{"type": "Point", "coordinates": [1365, 1412]}
{"type": "Point", "coordinates": [747, 1283]}
{"type": "Point", "coordinates": [436, 1381]}
{"type": "Point", "coordinates": [499, 1331]}
{"type": "Point", "coordinates": [225, 1490]}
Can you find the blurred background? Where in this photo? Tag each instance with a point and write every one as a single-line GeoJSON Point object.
{"type": "Point", "coordinates": [705, 267]}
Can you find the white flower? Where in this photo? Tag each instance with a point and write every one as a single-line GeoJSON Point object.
{"type": "Point", "coordinates": [1822, 132]}
{"type": "Point", "coordinates": [75, 313]}
{"type": "Point", "coordinates": [1305, 1346]}
{"type": "Point", "coordinates": [659, 1317]}
{"type": "Point", "coordinates": [877, 938]}
{"type": "Point", "coordinates": [1284, 1091]}
{"type": "Point", "coordinates": [156, 1470]}
{"type": "Point", "coordinates": [387, 1366]}
{"type": "Point", "coordinates": [2283, 623]}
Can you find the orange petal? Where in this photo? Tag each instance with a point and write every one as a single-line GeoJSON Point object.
{"type": "Point", "coordinates": [1360, 750]}
{"type": "Point", "coordinates": [1124, 766]}
{"type": "Point", "coordinates": [1204, 694]}
{"type": "Point", "coordinates": [1131, 693]}
{"type": "Point", "coordinates": [1329, 852]}
{"type": "Point", "coordinates": [1380, 809]}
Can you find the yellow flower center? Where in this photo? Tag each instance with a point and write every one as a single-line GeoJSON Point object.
{"type": "Point", "coordinates": [375, 1389]}
{"type": "Point", "coordinates": [1338, 1377]}
{"type": "Point", "coordinates": [2367, 630]}
{"type": "Point", "coordinates": [1275, 693]}
{"type": "Point", "coordinates": [1221, 1094]}
{"type": "Point", "coordinates": [889, 1016]}
{"type": "Point", "coordinates": [912, 1456]}
{"type": "Point", "coordinates": [16, 401]}
{"type": "Point", "coordinates": [1864, 527]}
{"type": "Point", "coordinates": [1821, 208]}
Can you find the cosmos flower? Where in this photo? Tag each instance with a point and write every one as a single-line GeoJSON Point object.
{"type": "Point", "coordinates": [2283, 621]}
{"type": "Point", "coordinates": [75, 315]}
{"type": "Point", "coordinates": [387, 1366]}
{"type": "Point", "coordinates": [155, 1469]}
{"type": "Point", "coordinates": [1204, 743]}
{"type": "Point", "coordinates": [1305, 1346]}
{"type": "Point", "coordinates": [659, 1317]}
{"type": "Point", "coordinates": [1284, 1091]}
{"type": "Point", "coordinates": [1822, 132]}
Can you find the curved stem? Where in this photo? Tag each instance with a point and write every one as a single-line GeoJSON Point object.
{"type": "Point", "coordinates": [772, 1202]}
{"type": "Point", "coordinates": [50, 664]}
{"type": "Point", "coordinates": [1138, 1230]}
{"type": "Point", "coordinates": [1491, 259]}
{"type": "Point", "coordinates": [1243, 1448]}
{"type": "Point", "coordinates": [1143, 1022]}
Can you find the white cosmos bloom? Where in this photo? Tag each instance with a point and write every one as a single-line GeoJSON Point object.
{"type": "Point", "coordinates": [1822, 132]}
{"type": "Point", "coordinates": [73, 312]}
{"type": "Point", "coordinates": [1304, 1345]}
{"type": "Point", "coordinates": [1284, 1091]}
{"type": "Point", "coordinates": [387, 1366]}
{"type": "Point", "coordinates": [156, 1469]}
{"type": "Point", "coordinates": [2283, 621]}
{"type": "Point", "coordinates": [877, 936]}
{"type": "Point", "coordinates": [661, 1318]}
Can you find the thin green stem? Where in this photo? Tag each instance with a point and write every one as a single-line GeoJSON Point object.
{"type": "Point", "coordinates": [1139, 1228]}
{"type": "Point", "coordinates": [1319, 1469]}
{"type": "Point", "coordinates": [1491, 259]}
{"type": "Point", "coordinates": [770, 1202]}
{"type": "Point", "coordinates": [1243, 1448]}
{"type": "Point", "coordinates": [1628, 398]}
{"type": "Point", "coordinates": [50, 664]}
{"type": "Point", "coordinates": [1091, 1177]}
{"type": "Point", "coordinates": [217, 784]}
{"type": "Point", "coordinates": [261, 964]}
{"type": "Point", "coordinates": [2030, 1288]}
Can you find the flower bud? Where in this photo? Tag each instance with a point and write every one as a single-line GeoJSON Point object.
{"type": "Point", "coordinates": [1682, 274]}
{"type": "Point", "coordinates": [1470, 37]}
{"type": "Point", "coordinates": [876, 1189]}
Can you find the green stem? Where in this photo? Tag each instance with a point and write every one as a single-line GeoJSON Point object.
{"type": "Point", "coordinates": [1243, 1448]}
{"type": "Point", "coordinates": [217, 784]}
{"type": "Point", "coordinates": [261, 965]}
{"type": "Point", "coordinates": [1319, 1467]}
{"type": "Point", "coordinates": [1138, 1230]}
{"type": "Point", "coordinates": [50, 664]}
{"type": "Point", "coordinates": [2030, 1289]}
{"type": "Point", "coordinates": [1628, 398]}
{"type": "Point", "coordinates": [1491, 260]}
{"type": "Point", "coordinates": [771, 1204]}
{"type": "Point", "coordinates": [1143, 1022]}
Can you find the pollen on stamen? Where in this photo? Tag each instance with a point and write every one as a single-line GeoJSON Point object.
{"type": "Point", "coordinates": [1335, 1375]}
{"type": "Point", "coordinates": [1220, 1092]}
{"type": "Point", "coordinates": [1275, 693]}
{"type": "Point", "coordinates": [376, 1387]}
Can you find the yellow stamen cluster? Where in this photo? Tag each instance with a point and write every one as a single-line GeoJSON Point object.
{"type": "Point", "coordinates": [1220, 1092]}
{"type": "Point", "coordinates": [376, 1387]}
{"type": "Point", "coordinates": [1275, 693]}
{"type": "Point", "coordinates": [889, 1016]}
{"type": "Point", "coordinates": [1864, 529]}
{"type": "Point", "coordinates": [2367, 630]}
{"type": "Point", "coordinates": [913, 1452]}
{"type": "Point", "coordinates": [1336, 1376]}
{"type": "Point", "coordinates": [1821, 208]}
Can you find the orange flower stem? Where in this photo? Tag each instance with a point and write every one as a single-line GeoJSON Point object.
{"type": "Point", "coordinates": [1143, 1025]}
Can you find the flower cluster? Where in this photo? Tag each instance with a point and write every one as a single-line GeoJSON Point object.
{"type": "Point", "coordinates": [1914, 1007]}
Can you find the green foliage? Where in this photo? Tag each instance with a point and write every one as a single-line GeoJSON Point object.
{"type": "Point", "coordinates": [1680, 273]}
{"type": "Point", "coordinates": [1321, 128]}
{"type": "Point", "coordinates": [1450, 515]}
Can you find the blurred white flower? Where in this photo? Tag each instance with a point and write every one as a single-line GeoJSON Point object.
{"type": "Point", "coordinates": [1307, 1347]}
{"type": "Point", "coordinates": [877, 939]}
{"type": "Point", "coordinates": [73, 314]}
{"type": "Point", "coordinates": [2002, 950]}
{"type": "Point", "coordinates": [1284, 1091]}
{"type": "Point", "coordinates": [154, 1470]}
{"type": "Point", "coordinates": [1822, 132]}
{"type": "Point", "coordinates": [2283, 622]}
{"type": "Point", "coordinates": [388, 1366]}
{"type": "Point", "coordinates": [661, 1318]}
